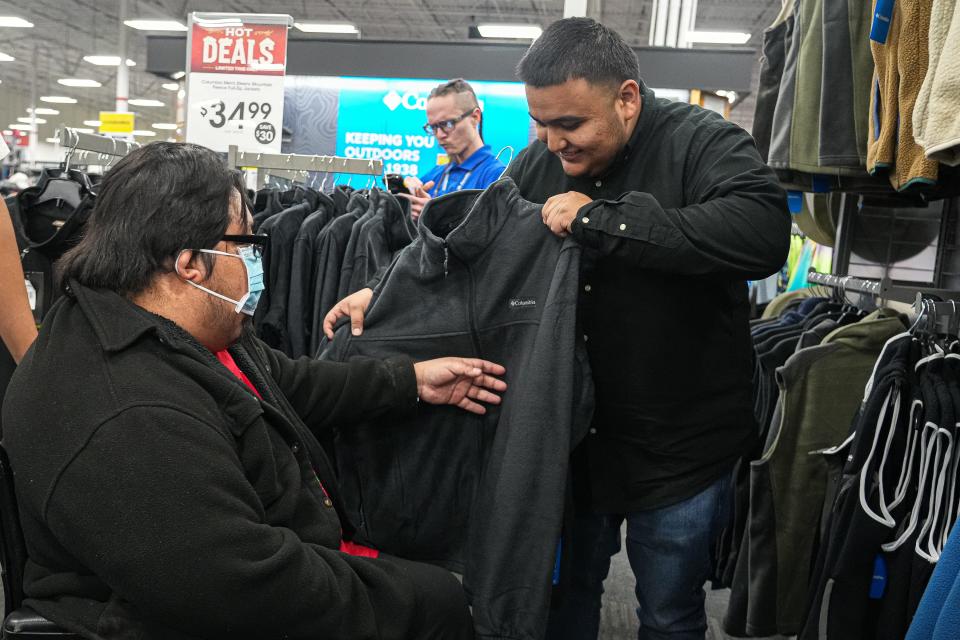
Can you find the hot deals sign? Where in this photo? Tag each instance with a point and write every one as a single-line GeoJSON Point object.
{"type": "Point", "coordinates": [235, 85]}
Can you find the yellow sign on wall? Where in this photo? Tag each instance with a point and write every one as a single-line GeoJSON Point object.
{"type": "Point", "coordinates": [114, 122]}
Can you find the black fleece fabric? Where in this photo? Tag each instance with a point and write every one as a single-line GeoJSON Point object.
{"type": "Point", "coordinates": [330, 250]}
{"type": "Point", "coordinates": [161, 499]}
{"type": "Point", "coordinates": [271, 314]}
{"type": "Point", "coordinates": [479, 494]}
{"type": "Point", "coordinates": [685, 215]}
{"type": "Point", "coordinates": [379, 240]}
{"type": "Point", "coordinates": [303, 271]}
{"type": "Point", "coordinates": [346, 264]}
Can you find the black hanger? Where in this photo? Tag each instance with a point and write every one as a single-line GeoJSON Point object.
{"type": "Point", "coordinates": [63, 190]}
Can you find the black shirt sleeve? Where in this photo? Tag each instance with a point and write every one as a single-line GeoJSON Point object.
{"type": "Point", "coordinates": [737, 223]}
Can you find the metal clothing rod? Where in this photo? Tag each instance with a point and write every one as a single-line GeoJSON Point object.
{"type": "Point", "coordinates": [74, 140]}
{"type": "Point", "coordinates": [292, 176]}
{"type": "Point", "coordinates": [295, 162]}
{"type": "Point", "coordinates": [847, 283]}
{"type": "Point", "coordinates": [887, 290]}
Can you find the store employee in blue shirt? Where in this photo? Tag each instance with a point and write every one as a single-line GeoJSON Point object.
{"type": "Point", "coordinates": [454, 117]}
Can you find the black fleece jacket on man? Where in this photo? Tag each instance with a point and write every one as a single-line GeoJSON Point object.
{"type": "Point", "coordinates": [685, 216]}
{"type": "Point", "coordinates": [484, 495]}
{"type": "Point", "coordinates": [160, 498]}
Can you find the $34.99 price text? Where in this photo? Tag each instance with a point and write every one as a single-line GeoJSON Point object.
{"type": "Point", "coordinates": [220, 114]}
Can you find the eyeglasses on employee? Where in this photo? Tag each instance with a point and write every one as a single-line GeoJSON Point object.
{"type": "Point", "coordinates": [446, 125]}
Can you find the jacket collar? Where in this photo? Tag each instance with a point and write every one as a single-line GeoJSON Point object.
{"type": "Point", "coordinates": [395, 225]}
{"type": "Point", "coordinates": [464, 223]}
{"type": "Point", "coordinates": [118, 323]}
{"type": "Point", "coordinates": [477, 158]}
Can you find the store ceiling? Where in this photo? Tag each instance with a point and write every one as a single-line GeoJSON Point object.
{"type": "Point", "coordinates": [65, 32]}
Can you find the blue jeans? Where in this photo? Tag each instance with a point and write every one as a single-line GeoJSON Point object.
{"type": "Point", "coordinates": [671, 554]}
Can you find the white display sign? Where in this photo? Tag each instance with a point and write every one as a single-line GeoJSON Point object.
{"type": "Point", "coordinates": [236, 69]}
{"type": "Point", "coordinates": [4, 149]}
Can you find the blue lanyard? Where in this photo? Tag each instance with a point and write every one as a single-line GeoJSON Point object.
{"type": "Point", "coordinates": [446, 179]}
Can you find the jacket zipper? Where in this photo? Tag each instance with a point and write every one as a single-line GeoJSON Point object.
{"type": "Point", "coordinates": [471, 305]}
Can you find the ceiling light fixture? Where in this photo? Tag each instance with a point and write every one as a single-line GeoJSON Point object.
{"type": "Point", "coordinates": [43, 111]}
{"type": "Point", "coordinates": [21, 127]}
{"type": "Point", "coordinates": [165, 126]}
{"type": "Point", "coordinates": [30, 120]}
{"type": "Point", "coordinates": [82, 130]}
{"type": "Point", "coordinates": [218, 22]}
{"type": "Point", "coordinates": [107, 61]}
{"type": "Point", "coordinates": [6, 58]}
{"type": "Point", "coordinates": [156, 25]}
{"type": "Point", "coordinates": [511, 31]}
{"type": "Point", "coordinates": [144, 102]}
{"type": "Point", "coordinates": [53, 140]}
{"type": "Point", "coordinates": [92, 123]}
{"type": "Point", "coordinates": [171, 86]}
{"type": "Point", "coordinates": [718, 37]}
{"type": "Point", "coordinates": [327, 27]}
{"type": "Point", "coordinates": [13, 21]}
{"type": "Point", "coordinates": [144, 133]}
{"type": "Point", "coordinates": [58, 99]}
{"type": "Point", "coordinates": [80, 82]}
{"type": "Point", "coordinates": [178, 75]}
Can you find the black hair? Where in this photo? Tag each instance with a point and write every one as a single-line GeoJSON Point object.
{"type": "Point", "coordinates": [155, 202]}
{"type": "Point", "coordinates": [574, 48]}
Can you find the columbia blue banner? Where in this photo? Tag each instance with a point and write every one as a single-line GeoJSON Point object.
{"type": "Point", "coordinates": [382, 119]}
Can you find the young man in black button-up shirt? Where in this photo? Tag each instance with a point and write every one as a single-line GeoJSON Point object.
{"type": "Point", "coordinates": [677, 211]}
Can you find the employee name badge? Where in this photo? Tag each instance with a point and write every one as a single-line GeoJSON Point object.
{"type": "Point", "coordinates": [4, 149]}
{"type": "Point", "coordinates": [31, 294]}
{"type": "Point", "coordinates": [33, 281]}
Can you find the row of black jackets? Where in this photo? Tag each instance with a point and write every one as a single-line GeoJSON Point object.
{"type": "Point", "coordinates": [321, 248]}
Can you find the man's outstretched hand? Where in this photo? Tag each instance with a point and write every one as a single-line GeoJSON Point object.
{"type": "Point", "coordinates": [461, 382]}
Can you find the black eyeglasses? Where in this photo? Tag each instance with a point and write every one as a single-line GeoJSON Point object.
{"type": "Point", "coordinates": [446, 125]}
{"type": "Point", "coordinates": [258, 242]}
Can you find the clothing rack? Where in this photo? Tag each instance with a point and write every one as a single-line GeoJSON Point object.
{"type": "Point", "coordinates": [885, 289]}
{"type": "Point", "coordinates": [288, 165]}
{"type": "Point", "coordinates": [940, 314]}
{"type": "Point", "coordinates": [847, 283]}
{"type": "Point", "coordinates": [105, 147]}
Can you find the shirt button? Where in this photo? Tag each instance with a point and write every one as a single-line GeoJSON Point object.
{"type": "Point", "coordinates": [593, 431]}
{"type": "Point", "coordinates": [585, 337]}
{"type": "Point", "coordinates": [599, 183]}
{"type": "Point", "coordinates": [327, 502]}
{"type": "Point", "coordinates": [587, 288]}
{"type": "Point", "coordinates": [586, 220]}
{"type": "Point", "coordinates": [623, 227]}
{"type": "Point", "coordinates": [295, 447]}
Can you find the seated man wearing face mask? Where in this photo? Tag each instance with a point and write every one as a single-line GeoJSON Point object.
{"type": "Point", "coordinates": [168, 473]}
